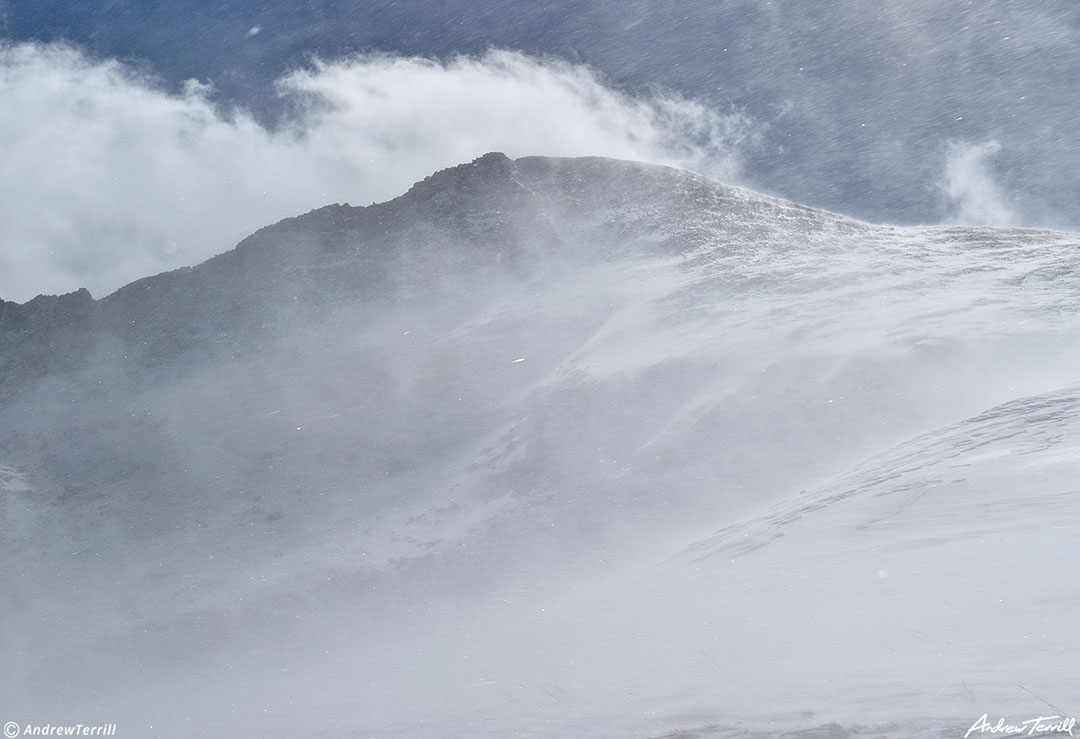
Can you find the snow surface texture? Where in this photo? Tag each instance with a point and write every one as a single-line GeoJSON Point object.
{"type": "Point", "coordinates": [550, 448]}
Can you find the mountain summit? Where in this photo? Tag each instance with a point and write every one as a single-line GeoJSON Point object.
{"type": "Point", "coordinates": [567, 447]}
{"type": "Point", "coordinates": [493, 211]}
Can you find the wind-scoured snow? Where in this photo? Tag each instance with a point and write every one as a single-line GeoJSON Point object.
{"type": "Point", "coordinates": [549, 447]}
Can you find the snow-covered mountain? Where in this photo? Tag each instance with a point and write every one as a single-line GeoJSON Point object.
{"type": "Point", "coordinates": [553, 447]}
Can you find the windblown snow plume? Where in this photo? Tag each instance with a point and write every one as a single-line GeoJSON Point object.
{"type": "Point", "coordinates": [971, 188]}
{"type": "Point", "coordinates": [109, 178]}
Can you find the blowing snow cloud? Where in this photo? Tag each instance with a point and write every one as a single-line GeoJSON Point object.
{"type": "Point", "coordinates": [111, 178]}
{"type": "Point", "coordinates": [971, 188]}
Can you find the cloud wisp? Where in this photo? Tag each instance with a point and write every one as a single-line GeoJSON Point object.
{"type": "Point", "coordinates": [109, 178]}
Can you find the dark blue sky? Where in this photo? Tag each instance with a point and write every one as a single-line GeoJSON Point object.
{"type": "Point", "coordinates": [918, 112]}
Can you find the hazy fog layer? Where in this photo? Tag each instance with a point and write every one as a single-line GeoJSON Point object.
{"type": "Point", "coordinates": [550, 447]}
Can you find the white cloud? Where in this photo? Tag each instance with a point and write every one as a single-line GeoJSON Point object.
{"type": "Point", "coordinates": [107, 178]}
{"type": "Point", "coordinates": [970, 187]}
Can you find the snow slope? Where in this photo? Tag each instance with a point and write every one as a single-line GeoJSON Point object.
{"type": "Point", "coordinates": [549, 448]}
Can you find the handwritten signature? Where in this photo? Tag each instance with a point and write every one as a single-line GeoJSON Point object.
{"type": "Point", "coordinates": [1033, 726]}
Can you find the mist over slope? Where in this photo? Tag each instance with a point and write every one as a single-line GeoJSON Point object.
{"type": "Point", "coordinates": [550, 446]}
